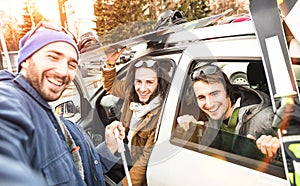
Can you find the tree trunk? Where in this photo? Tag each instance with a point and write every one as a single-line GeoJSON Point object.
{"type": "Point", "coordinates": [1, 62]}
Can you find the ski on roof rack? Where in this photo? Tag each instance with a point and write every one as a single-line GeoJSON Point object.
{"type": "Point", "coordinates": [154, 36]}
{"type": "Point", "coordinates": [283, 87]}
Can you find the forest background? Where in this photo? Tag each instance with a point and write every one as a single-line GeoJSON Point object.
{"type": "Point", "coordinates": [121, 19]}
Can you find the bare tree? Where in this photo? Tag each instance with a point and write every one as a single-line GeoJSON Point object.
{"type": "Point", "coordinates": [1, 62]}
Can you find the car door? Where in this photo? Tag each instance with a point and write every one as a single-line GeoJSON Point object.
{"type": "Point", "coordinates": [75, 104]}
{"type": "Point", "coordinates": [100, 109]}
{"type": "Point", "coordinates": [180, 158]}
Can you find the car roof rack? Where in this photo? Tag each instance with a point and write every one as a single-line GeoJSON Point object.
{"type": "Point", "coordinates": [212, 32]}
{"type": "Point", "coordinates": [154, 37]}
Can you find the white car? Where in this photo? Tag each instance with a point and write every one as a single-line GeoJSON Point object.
{"type": "Point", "coordinates": [179, 160]}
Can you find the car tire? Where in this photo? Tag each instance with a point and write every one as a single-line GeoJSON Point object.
{"type": "Point", "coordinates": [239, 78]}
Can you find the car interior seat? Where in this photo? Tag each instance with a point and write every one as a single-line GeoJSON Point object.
{"type": "Point", "coordinates": [257, 77]}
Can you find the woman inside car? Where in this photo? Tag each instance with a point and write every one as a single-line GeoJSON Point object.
{"type": "Point", "coordinates": [143, 91]}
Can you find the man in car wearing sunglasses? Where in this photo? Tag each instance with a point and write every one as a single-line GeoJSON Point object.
{"type": "Point", "coordinates": [143, 91]}
{"type": "Point", "coordinates": [58, 150]}
{"type": "Point", "coordinates": [237, 110]}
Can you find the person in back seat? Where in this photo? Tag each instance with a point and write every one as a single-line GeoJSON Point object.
{"type": "Point", "coordinates": [256, 77]}
{"type": "Point", "coordinates": [234, 109]}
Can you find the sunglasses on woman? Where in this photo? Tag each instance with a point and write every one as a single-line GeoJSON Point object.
{"type": "Point", "coordinates": [148, 63]}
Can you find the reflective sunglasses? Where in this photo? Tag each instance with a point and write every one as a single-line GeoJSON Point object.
{"type": "Point", "coordinates": [50, 26]}
{"type": "Point", "coordinates": [206, 70]}
{"type": "Point", "coordinates": [149, 63]}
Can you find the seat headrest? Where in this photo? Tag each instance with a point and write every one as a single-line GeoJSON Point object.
{"type": "Point", "coordinates": [256, 74]}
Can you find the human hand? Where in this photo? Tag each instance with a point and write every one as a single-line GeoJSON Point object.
{"type": "Point", "coordinates": [268, 145]}
{"type": "Point", "coordinates": [110, 138]}
{"type": "Point", "coordinates": [113, 57]}
{"type": "Point", "coordinates": [185, 121]}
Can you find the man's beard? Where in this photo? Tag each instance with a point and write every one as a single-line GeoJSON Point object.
{"type": "Point", "coordinates": [37, 83]}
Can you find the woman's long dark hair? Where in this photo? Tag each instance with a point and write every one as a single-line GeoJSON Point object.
{"type": "Point", "coordinates": [160, 67]}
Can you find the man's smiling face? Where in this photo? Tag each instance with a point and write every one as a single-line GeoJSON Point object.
{"type": "Point", "coordinates": [213, 100]}
{"type": "Point", "coordinates": [51, 69]}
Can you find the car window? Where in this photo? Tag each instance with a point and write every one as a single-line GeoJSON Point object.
{"type": "Point", "coordinates": [214, 139]}
{"type": "Point", "coordinates": [90, 67]}
{"type": "Point", "coordinates": [109, 106]}
{"type": "Point", "coordinates": [68, 105]}
{"type": "Point", "coordinates": [91, 77]}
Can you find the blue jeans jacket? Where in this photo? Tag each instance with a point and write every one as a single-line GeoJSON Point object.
{"type": "Point", "coordinates": [30, 133]}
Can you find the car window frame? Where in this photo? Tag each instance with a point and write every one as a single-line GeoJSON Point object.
{"type": "Point", "coordinates": [272, 169]}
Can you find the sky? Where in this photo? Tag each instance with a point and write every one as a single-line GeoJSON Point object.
{"type": "Point", "coordinates": [48, 8]}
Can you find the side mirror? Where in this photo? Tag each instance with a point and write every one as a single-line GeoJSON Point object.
{"type": "Point", "coordinates": [66, 109]}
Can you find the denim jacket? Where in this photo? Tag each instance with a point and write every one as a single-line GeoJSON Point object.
{"type": "Point", "coordinates": [30, 133]}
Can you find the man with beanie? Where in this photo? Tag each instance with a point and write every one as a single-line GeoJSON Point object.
{"type": "Point", "coordinates": [31, 133]}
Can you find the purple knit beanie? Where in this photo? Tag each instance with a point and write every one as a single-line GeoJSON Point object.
{"type": "Point", "coordinates": [38, 40]}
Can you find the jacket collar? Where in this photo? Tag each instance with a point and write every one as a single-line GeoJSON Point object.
{"type": "Point", "coordinates": [146, 120]}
